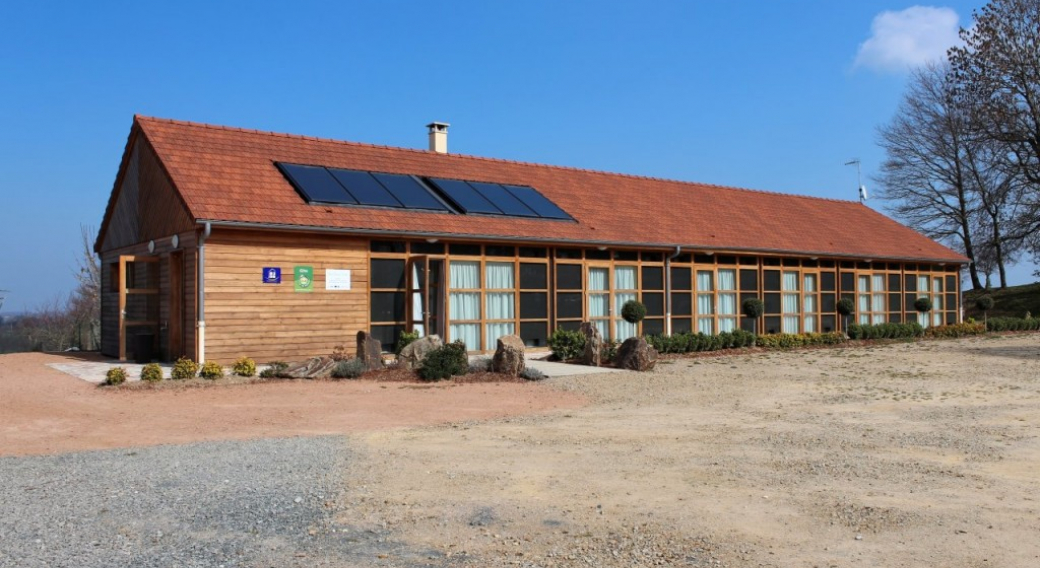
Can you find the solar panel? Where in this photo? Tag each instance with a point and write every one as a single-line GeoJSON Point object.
{"type": "Point", "coordinates": [411, 193]}
{"type": "Point", "coordinates": [538, 202]}
{"type": "Point", "coordinates": [316, 184]}
{"type": "Point", "coordinates": [365, 188]}
{"type": "Point", "coordinates": [502, 199]}
{"type": "Point", "coordinates": [465, 197]}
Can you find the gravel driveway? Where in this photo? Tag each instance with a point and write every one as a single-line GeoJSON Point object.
{"type": "Point", "coordinates": [256, 503]}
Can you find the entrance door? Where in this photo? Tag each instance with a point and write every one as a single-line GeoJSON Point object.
{"type": "Point", "coordinates": [426, 315]}
{"type": "Point", "coordinates": [599, 299]}
{"type": "Point", "coordinates": [175, 328]}
{"type": "Point", "coordinates": [138, 305]}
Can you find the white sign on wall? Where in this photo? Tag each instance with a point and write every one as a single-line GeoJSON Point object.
{"type": "Point", "coordinates": [337, 279]}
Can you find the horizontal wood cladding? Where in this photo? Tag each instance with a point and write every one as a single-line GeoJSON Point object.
{"type": "Point", "coordinates": [268, 322]}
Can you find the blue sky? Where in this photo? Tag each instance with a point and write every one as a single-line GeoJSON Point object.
{"type": "Point", "coordinates": [766, 95]}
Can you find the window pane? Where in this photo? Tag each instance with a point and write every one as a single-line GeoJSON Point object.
{"type": "Point", "coordinates": [791, 303]}
{"type": "Point", "coordinates": [809, 281]}
{"type": "Point", "coordinates": [599, 305]}
{"type": "Point", "coordinates": [499, 305]}
{"type": "Point", "coordinates": [790, 281]}
{"type": "Point", "coordinates": [748, 280]}
{"type": "Point", "coordinates": [790, 324]}
{"type": "Point", "coordinates": [810, 303]}
{"type": "Point", "coordinates": [496, 330]}
{"type": "Point", "coordinates": [653, 278]}
{"type": "Point", "coordinates": [864, 303]}
{"type": "Point", "coordinates": [877, 283]}
{"type": "Point", "coordinates": [705, 304]}
{"type": "Point", "coordinates": [623, 330]}
{"type": "Point", "coordinates": [624, 278]}
{"type": "Point", "coordinates": [810, 324]}
{"type": "Point", "coordinates": [727, 279]}
{"type": "Point", "coordinates": [727, 324]}
{"type": "Point", "coordinates": [706, 326]}
{"type": "Point", "coordinates": [534, 276]}
{"type": "Point", "coordinates": [464, 274]}
{"type": "Point", "coordinates": [681, 278]}
{"type": "Point", "coordinates": [704, 281]}
{"type": "Point", "coordinates": [464, 306]}
{"type": "Point", "coordinates": [568, 276]}
{"type": "Point", "coordinates": [654, 302]}
{"type": "Point", "coordinates": [727, 304]}
{"type": "Point", "coordinates": [387, 273]}
{"type": "Point", "coordinates": [534, 305]}
{"type": "Point", "coordinates": [468, 333]}
{"type": "Point", "coordinates": [387, 306]}
{"type": "Point", "coordinates": [597, 279]}
{"type": "Point", "coordinates": [498, 275]}
{"type": "Point", "coordinates": [682, 304]}
{"type": "Point", "coordinates": [568, 305]}
{"type": "Point", "coordinates": [534, 334]}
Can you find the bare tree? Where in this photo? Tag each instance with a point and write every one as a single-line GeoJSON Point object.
{"type": "Point", "coordinates": [925, 172]}
{"type": "Point", "coordinates": [85, 303]}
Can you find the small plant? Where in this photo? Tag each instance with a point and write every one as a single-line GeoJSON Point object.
{"type": "Point", "coordinates": [211, 370]}
{"type": "Point", "coordinates": [923, 304]}
{"type": "Point", "coordinates": [532, 374]}
{"type": "Point", "coordinates": [444, 362]}
{"type": "Point", "coordinates": [115, 376]}
{"type": "Point", "coordinates": [184, 368]}
{"type": "Point", "coordinates": [275, 370]}
{"type": "Point", "coordinates": [633, 311]}
{"type": "Point", "coordinates": [956, 330]}
{"type": "Point", "coordinates": [244, 367]}
{"type": "Point", "coordinates": [404, 339]}
{"type": "Point", "coordinates": [349, 369]}
{"type": "Point", "coordinates": [609, 350]}
{"type": "Point", "coordinates": [151, 373]}
{"type": "Point", "coordinates": [566, 344]}
{"type": "Point", "coordinates": [480, 365]}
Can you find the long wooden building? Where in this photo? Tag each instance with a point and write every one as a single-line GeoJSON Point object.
{"type": "Point", "coordinates": [222, 242]}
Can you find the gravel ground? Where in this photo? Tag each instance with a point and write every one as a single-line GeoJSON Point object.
{"type": "Point", "coordinates": [225, 504]}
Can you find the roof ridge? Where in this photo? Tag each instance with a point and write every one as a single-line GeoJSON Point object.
{"type": "Point", "coordinates": [138, 117]}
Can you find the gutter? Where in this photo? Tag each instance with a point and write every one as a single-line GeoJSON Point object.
{"type": "Point", "coordinates": [200, 294]}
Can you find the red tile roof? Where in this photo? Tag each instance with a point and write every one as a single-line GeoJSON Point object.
{"type": "Point", "coordinates": [228, 174]}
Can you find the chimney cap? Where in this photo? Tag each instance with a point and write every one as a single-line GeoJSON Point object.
{"type": "Point", "coordinates": [437, 126]}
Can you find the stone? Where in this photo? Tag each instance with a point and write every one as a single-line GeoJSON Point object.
{"type": "Point", "coordinates": [593, 344]}
{"type": "Point", "coordinates": [509, 356]}
{"type": "Point", "coordinates": [636, 354]}
{"type": "Point", "coordinates": [369, 351]}
{"type": "Point", "coordinates": [414, 353]}
{"type": "Point", "coordinates": [313, 368]}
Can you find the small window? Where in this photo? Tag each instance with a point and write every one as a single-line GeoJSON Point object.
{"type": "Point", "coordinates": [461, 249]}
{"type": "Point", "coordinates": [387, 246]}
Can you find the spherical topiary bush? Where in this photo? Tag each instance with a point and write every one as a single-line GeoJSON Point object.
{"type": "Point", "coordinates": [211, 370]}
{"type": "Point", "coordinates": [184, 368]}
{"type": "Point", "coordinates": [115, 376]}
{"type": "Point", "coordinates": [923, 305]}
{"type": "Point", "coordinates": [151, 373]}
{"type": "Point", "coordinates": [244, 367]}
{"type": "Point", "coordinates": [846, 306]}
{"type": "Point", "coordinates": [984, 303]}
{"type": "Point", "coordinates": [752, 307]}
{"type": "Point", "coordinates": [633, 311]}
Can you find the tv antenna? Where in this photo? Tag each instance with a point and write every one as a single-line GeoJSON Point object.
{"type": "Point", "coordinates": [859, 179]}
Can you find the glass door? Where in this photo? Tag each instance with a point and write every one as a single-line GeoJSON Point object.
{"type": "Point", "coordinates": [599, 299]}
{"type": "Point", "coordinates": [625, 290]}
{"type": "Point", "coordinates": [426, 294]}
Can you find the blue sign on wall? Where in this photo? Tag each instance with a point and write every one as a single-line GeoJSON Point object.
{"type": "Point", "coordinates": [272, 275]}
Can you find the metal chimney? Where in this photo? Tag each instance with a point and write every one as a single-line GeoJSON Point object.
{"type": "Point", "coordinates": [438, 137]}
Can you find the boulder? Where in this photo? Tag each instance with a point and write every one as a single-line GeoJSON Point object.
{"type": "Point", "coordinates": [509, 356]}
{"type": "Point", "coordinates": [636, 354]}
{"type": "Point", "coordinates": [412, 355]}
{"type": "Point", "coordinates": [313, 368]}
{"type": "Point", "coordinates": [369, 351]}
{"type": "Point", "coordinates": [593, 344]}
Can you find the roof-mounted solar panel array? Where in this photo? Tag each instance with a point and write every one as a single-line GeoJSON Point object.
{"type": "Point", "coordinates": [336, 186]}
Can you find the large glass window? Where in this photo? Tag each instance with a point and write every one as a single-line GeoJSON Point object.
{"type": "Point", "coordinates": [705, 302]}
{"type": "Point", "coordinates": [464, 303]}
{"type": "Point", "coordinates": [499, 302]}
{"type": "Point", "coordinates": [624, 291]}
{"type": "Point", "coordinates": [727, 279]}
{"type": "Point", "coordinates": [599, 300]}
{"type": "Point", "coordinates": [790, 299]}
{"type": "Point", "coordinates": [810, 303]}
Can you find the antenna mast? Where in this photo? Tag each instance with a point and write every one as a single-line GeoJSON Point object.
{"type": "Point", "coordinates": [859, 179]}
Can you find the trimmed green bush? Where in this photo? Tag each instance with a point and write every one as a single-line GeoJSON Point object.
{"type": "Point", "coordinates": [151, 373]}
{"type": "Point", "coordinates": [184, 368]}
{"type": "Point", "coordinates": [752, 307]}
{"type": "Point", "coordinates": [404, 339]}
{"type": "Point", "coordinates": [566, 344]}
{"type": "Point", "coordinates": [956, 330]}
{"type": "Point", "coordinates": [789, 340]}
{"type": "Point", "coordinates": [633, 311]}
{"type": "Point", "coordinates": [984, 303]}
{"type": "Point", "coordinates": [244, 367]}
{"type": "Point", "coordinates": [846, 306]}
{"type": "Point", "coordinates": [444, 362]}
{"type": "Point", "coordinates": [923, 305]}
{"type": "Point", "coordinates": [275, 370]}
{"type": "Point", "coordinates": [349, 369]}
{"type": "Point", "coordinates": [211, 370]}
{"type": "Point", "coordinates": [115, 376]}
{"type": "Point", "coordinates": [1013, 324]}
{"type": "Point", "coordinates": [692, 342]}
{"type": "Point", "coordinates": [885, 330]}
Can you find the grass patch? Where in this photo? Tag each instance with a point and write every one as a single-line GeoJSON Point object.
{"type": "Point", "coordinates": [1014, 301]}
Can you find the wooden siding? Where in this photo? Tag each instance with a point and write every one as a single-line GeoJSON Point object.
{"type": "Point", "coordinates": [268, 322]}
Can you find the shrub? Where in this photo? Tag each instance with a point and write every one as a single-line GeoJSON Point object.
{"type": "Point", "coordinates": [444, 362]}
{"type": "Point", "coordinates": [609, 350]}
{"type": "Point", "coordinates": [885, 330]}
{"type": "Point", "coordinates": [633, 311]}
{"type": "Point", "coordinates": [984, 303]}
{"type": "Point", "coordinates": [532, 374]}
{"type": "Point", "coordinates": [752, 307]}
{"type": "Point", "coordinates": [1013, 324]}
{"type": "Point", "coordinates": [184, 368]}
{"type": "Point", "coordinates": [480, 365]}
{"type": "Point", "coordinates": [211, 370]}
{"type": "Point", "coordinates": [956, 330]}
{"type": "Point", "coordinates": [923, 304]}
{"type": "Point", "coordinates": [846, 306]}
{"type": "Point", "coordinates": [151, 373]}
{"type": "Point", "coordinates": [404, 339]}
{"type": "Point", "coordinates": [275, 369]}
{"type": "Point", "coordinates": [244, 367]}
{"type": "Point", "coordinates": [115, 376]}
{"type": "Point", "coordinates": [788, 340]}
{"type": "Point", "coordinates": [349, 369]}
{"type": "Point", "coordinates": [686, 342]}
{"type": "Point", "coordinates": [566, 344]}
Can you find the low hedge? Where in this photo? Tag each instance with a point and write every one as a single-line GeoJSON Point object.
{"type": "Point", "coordinates": [1013, 324]}
{"type": "Point", "coordinates": [885, 330]}
{"type": "Point", "coordinates": [688, 342]}
{"type": "Point", "coordinates": [788, 340]}
{"type": "Point", "coordinates": [956, 330]}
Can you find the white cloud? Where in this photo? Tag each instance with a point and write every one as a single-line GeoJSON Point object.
{"type": "Point", "coordinates": [908, 38]}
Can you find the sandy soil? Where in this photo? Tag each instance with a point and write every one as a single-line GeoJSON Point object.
{"type": "Point", "coordinates": [46, 411]}
{"type": "Point", "coordinates": [923, 454]}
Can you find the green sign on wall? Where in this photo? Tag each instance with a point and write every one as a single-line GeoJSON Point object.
{"type": "Point", "coordinates": [303, 278]}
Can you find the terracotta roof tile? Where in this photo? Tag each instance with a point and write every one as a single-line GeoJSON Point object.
{"type": "Point", "coordinates": [228, 174]}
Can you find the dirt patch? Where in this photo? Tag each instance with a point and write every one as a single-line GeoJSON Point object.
{"type": "Point", "coordinates": [45, 411]}
{"type": "Point", "coordinates": [907, 454]}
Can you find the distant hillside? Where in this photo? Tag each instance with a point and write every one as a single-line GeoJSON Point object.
{"type": "Point", "coordinates": [1014, 301]}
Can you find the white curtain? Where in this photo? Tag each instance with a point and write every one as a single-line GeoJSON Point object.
{"type": "Point", "coordinates": [810, 303]}
{"type": "Point", "coordinates": [922, 318]}
{"type": "Point", "coordinates": [706, 326]}
{"type": "Point", "coordinates": [499, 276]}
{"type": "Point", "coordinates": [500, 305]}
{"type": "Point", "coordinates": [468, 333]}
{"type": "Point", "coordinates": [877, 318]}
{"type": "Point", "coordinates": [810, 324]}
{"type": "Point", "coordinates": [937, 285]}
{"type": "Point", "coordinates": [864, 303]}
{"type": "Point", "coordinates": [727, 305]}
{"type": "Point", "coordinates": [877, 303]}
{"type": "Point", "coordinates": [727, 280]}
{"type": "Point", "coordinates": [922, 283]}
{"type": "Point", "coordinates": [623, 329]}
{"type": "Point", "coordinates": [790, 304]}
{"type": "Point", "coordinates": [464, 306]}
{"type": "Point", "coordinates": [864, 284]}
{"type": "Point", "coordinates": [625, 278]}
{"type": "Point", "coordinates": [464, 275]}
{"type": "Point", "coordinates": [877, 283]}
{"type": "Point", "coordinates": [597, 279]}
{"type": "Point", "coordinates": [496, 330]}
{"type": "Point", "coordinates": [705, 304]}
{"type": "Point", "coordinates": [790, 283]}
{"type": "Point", "coordinates": [599, 305]}
{"type": "Point", "coordinates": [603, 327]}
{"type": "Point", "coordinates": [704, 281]}
{"type": "Point", "coordinates": [810, 283]}
{"type": "Point", "coordinates": [727, 324]}
{"type": "Point", "coordinates": [790, 324]}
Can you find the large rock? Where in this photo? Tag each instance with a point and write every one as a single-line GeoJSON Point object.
{"type": "Point", "coordinates": [369, 351]}
{"type": "Point", "coordinates": [313, 368]}
{"type": "Point", "coordinates": [593, 344]}
{"type": "Point", "coordinates": [413, 353]}
{"type": "Point", "coordinates": [636, 354]}
{"type": "Point", "coordinates": [509, 356]}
